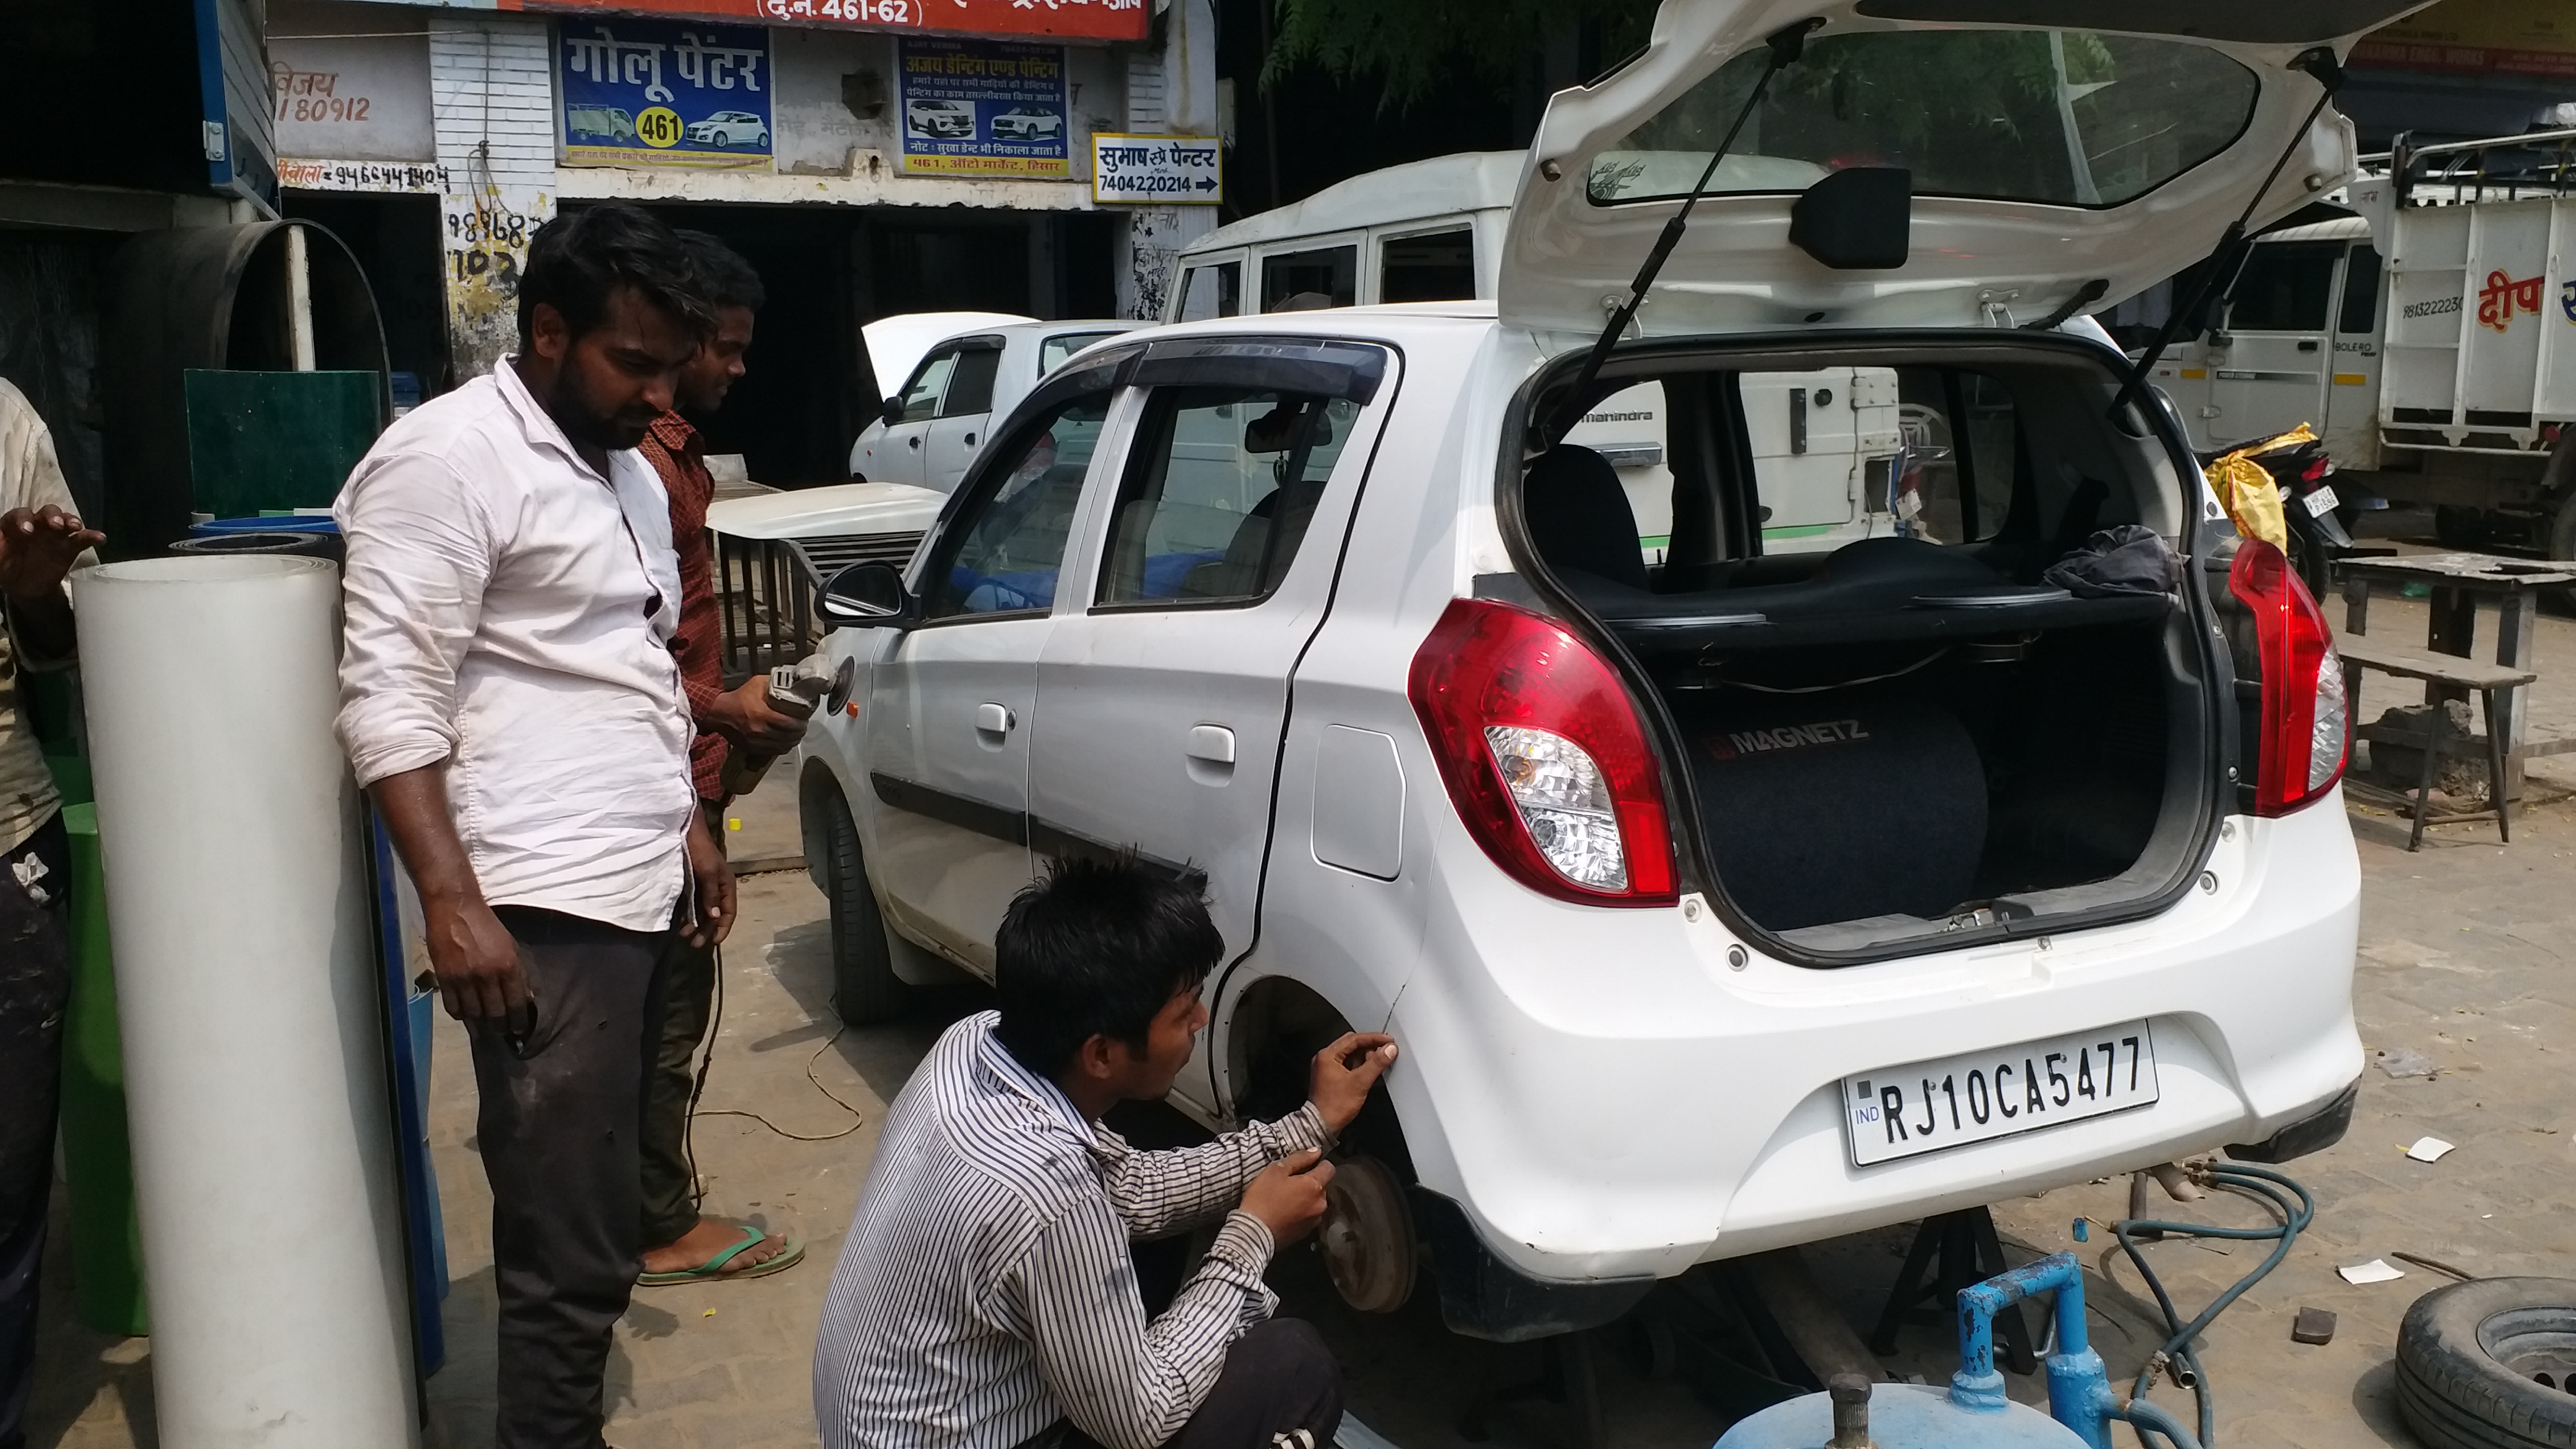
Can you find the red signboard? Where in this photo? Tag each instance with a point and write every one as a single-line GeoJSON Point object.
{"type": "Point", "coordinates": [1080, 19]}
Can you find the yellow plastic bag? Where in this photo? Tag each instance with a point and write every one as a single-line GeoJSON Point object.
{"type": "Point", "coordinates": [2247, 492]}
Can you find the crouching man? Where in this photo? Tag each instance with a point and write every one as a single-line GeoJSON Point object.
{"type": "Point", "coordinates": [985, 1298]}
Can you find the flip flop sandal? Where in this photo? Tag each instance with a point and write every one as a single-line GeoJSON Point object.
{"type": "Point", "coordinates": [713, 1269]}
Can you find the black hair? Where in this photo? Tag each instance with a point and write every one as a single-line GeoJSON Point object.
{"type": "Point", "coordinates": [580, 257]}
{"type": "Point", "coordinates": [724, 278]}
{"type": "Point", "coordinates": [1097, 948]}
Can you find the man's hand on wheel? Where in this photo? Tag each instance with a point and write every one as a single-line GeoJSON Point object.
{"type": "Point", "coordinates": [476, 961]}
{"type": "Point", "coordinates": [1288, 1196]}
{"type": "Point", "coordinates": [1345, 1071]}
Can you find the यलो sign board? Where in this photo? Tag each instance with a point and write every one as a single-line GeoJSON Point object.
{"type": "Point", "coordinates": [1157, 170]}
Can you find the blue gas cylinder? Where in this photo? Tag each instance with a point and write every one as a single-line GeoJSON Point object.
{"type": "Point", "coordinates": [1903, 1416]}
{"type": "Point", "coordinates": [1972, 1413]}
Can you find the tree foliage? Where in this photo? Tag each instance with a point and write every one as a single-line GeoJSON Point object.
{"type": "Point", "coordinates": [1411, 46]}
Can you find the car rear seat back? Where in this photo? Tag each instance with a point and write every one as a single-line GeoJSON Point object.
{"type": "Point", "coordinates": [1580, 522]}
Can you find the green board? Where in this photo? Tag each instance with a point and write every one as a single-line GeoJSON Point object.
{"type": "Point", "coordinates": [98, 1162]}
{"type": "Point", "coordinates": [270, 441]}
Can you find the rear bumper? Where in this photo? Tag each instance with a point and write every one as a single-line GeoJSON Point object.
{"type": "Point", "coordinates": [2315, 1132]}
{"type": "Point", "coordinates": [1606, 1099]}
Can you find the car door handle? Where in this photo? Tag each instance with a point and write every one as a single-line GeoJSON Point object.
{"type": "Point", "coordinates": [913, 442]}
{"type": "Point", "coordinates": [2307, 347]}
{"type": "Point", "coordinates": [1213, 744]}
{"type": "Point", "coordinates": [993, 719]}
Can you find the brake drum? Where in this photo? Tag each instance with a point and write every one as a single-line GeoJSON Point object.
{"type": "Point", "coordinates": [1367, 1236]}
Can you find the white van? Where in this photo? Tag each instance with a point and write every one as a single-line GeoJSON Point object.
{"type": "Point", "coordinates": [1432, 232]}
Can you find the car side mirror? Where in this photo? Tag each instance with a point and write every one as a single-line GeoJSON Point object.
{"type": "Point", "coordinates": [868, 596]}
{"type": "Point", "coordinates": [892, 412]}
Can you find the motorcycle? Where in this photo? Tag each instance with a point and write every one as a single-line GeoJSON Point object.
{"type": "Point", "coordinates": [2318, 516]}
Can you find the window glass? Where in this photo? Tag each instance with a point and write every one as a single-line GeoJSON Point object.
{"type": "Point", "coordinates": [1439, 267]}
{"type": "Point", "coordinates": [1054, 350]}
{"type": "Point", "coordinates": [1215, 290]}
{"type": "Point", "coordinates": [929, 381]}
{"type": "Point", "coordinates": [2284, 288]}
{"type": "Point", "coordinates": [1300, 281]}
{"type": "Point", "coordinates": [970, 386]}
{"type": "Point", "coordinates": [2360, 314]}
{"type": "Point", "coordinates": [1219, 492]}
{"type": "Point", "coordinates": [2061, 117]}
{"type": "Point", "coordinates": [1846, 453]}
{"type": "Point", "coordinates": [1003, 551]}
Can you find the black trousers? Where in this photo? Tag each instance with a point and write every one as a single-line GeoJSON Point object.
{"type": "Point", "coordinates": [1280, 1390]}
{"type": "Point", "coordinates": [35, 986]}
{"type": "Point", "coordinates": [559, 1119]}
{"type": "Point", "coordinates": [688, 997]}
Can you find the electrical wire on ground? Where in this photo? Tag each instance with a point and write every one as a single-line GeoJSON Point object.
{"type": "Point", "coordinates": [698, 1090]}
{"type": "Point", "coordinates": [2295, 1208]}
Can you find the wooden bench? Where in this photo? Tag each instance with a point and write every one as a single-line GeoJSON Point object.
{"type": "Point", "coordinates": [2486, 679]}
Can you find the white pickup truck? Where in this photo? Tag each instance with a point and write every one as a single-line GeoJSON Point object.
{"type": "Point", "coordinates": [2430, 339]}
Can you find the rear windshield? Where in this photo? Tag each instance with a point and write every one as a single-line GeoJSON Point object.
{"type": "Point", "coordinates": [2066, 118]}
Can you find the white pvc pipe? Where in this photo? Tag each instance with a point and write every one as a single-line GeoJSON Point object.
{"type": "Point", "coordinates": [246, 989]}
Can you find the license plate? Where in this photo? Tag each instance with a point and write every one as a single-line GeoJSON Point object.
{"type": "Point", "coordinates": [1980, 1096]}
{"type": "Point", "coordinates": [2322, 501]}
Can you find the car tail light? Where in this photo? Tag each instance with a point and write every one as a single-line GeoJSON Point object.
{"type": "Point", "coordinates": [1544, 756]}
{"type": "Point", "coordinates": [2304, 737]}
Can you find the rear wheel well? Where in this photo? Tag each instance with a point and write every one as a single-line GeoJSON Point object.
{"type": "Point", "coordinates": [1277, 1028]}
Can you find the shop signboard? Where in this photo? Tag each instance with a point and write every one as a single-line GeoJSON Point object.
{"type": "Point", "coordinates": [351, 97]}
{"type": "Point", "coordinates": [1083, 19]}
{"type": "Point", "coordinates": [1156, 170]}
{"type": "Point", "coordinates": [663, 93]}
{"type": "Point", "coordinates": [984, 108]}
{"type": "Point", "coordinates": [2491, 37]}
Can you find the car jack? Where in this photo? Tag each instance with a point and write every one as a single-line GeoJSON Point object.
{"type": "Point", "coordinates": [1969, 1254]}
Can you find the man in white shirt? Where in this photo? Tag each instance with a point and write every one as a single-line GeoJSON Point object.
{"type": "Point", "coordinates": [510, 701]}
{"type": "Point", "coordinates": [41, 539]}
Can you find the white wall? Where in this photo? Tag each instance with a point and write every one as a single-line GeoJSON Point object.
{"type": "Point", "coordinates": [492, 89]}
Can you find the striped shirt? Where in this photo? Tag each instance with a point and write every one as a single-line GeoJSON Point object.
{"type": "Point", "coordinates": [986, 1291]}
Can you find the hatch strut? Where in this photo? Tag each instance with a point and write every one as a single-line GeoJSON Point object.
{"type": "Point", "coordinates": [1786, 44]}
{"type": "Point", "coordinates": [2318, 61]}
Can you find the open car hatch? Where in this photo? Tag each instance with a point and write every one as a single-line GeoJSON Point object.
{"type": "Point", "coordinates": [2047, 145]}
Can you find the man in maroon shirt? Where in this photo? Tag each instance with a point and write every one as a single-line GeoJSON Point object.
{"type": "Point", "coordinates": [680, 1245]}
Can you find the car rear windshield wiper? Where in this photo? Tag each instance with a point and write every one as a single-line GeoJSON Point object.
{"type": "Point", "coordinates": [1786, 43]}
{"type": "Point", "coordinates": [2318, 61]}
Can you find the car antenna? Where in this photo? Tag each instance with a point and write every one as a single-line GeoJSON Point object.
{"type": "Point", "coordinates": [1786, 44]}
{"type": "Point", "coordinates": [2318, 61]}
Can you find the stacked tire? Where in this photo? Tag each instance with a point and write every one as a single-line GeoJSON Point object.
{"type": "Point", "coordinates": [2487, 1365]}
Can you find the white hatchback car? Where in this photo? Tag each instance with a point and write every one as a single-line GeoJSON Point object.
{"type": "Point", "coordinates": [1719, 904]}
{"type": "Point", "coordinates": [934, 425]}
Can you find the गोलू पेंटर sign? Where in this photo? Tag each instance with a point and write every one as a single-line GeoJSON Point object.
{"type": "Point", "coordinates": [660, 93]}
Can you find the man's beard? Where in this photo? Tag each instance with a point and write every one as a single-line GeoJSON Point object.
{"type": "Point", "coordinates": [583, 422]}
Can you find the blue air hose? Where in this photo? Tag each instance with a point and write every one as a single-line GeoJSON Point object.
{"type": "Point", "coordinates": [2295, 1208]}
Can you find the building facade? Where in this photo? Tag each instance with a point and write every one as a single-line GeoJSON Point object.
{"type": "Point", "coordinates": [864, 163]}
